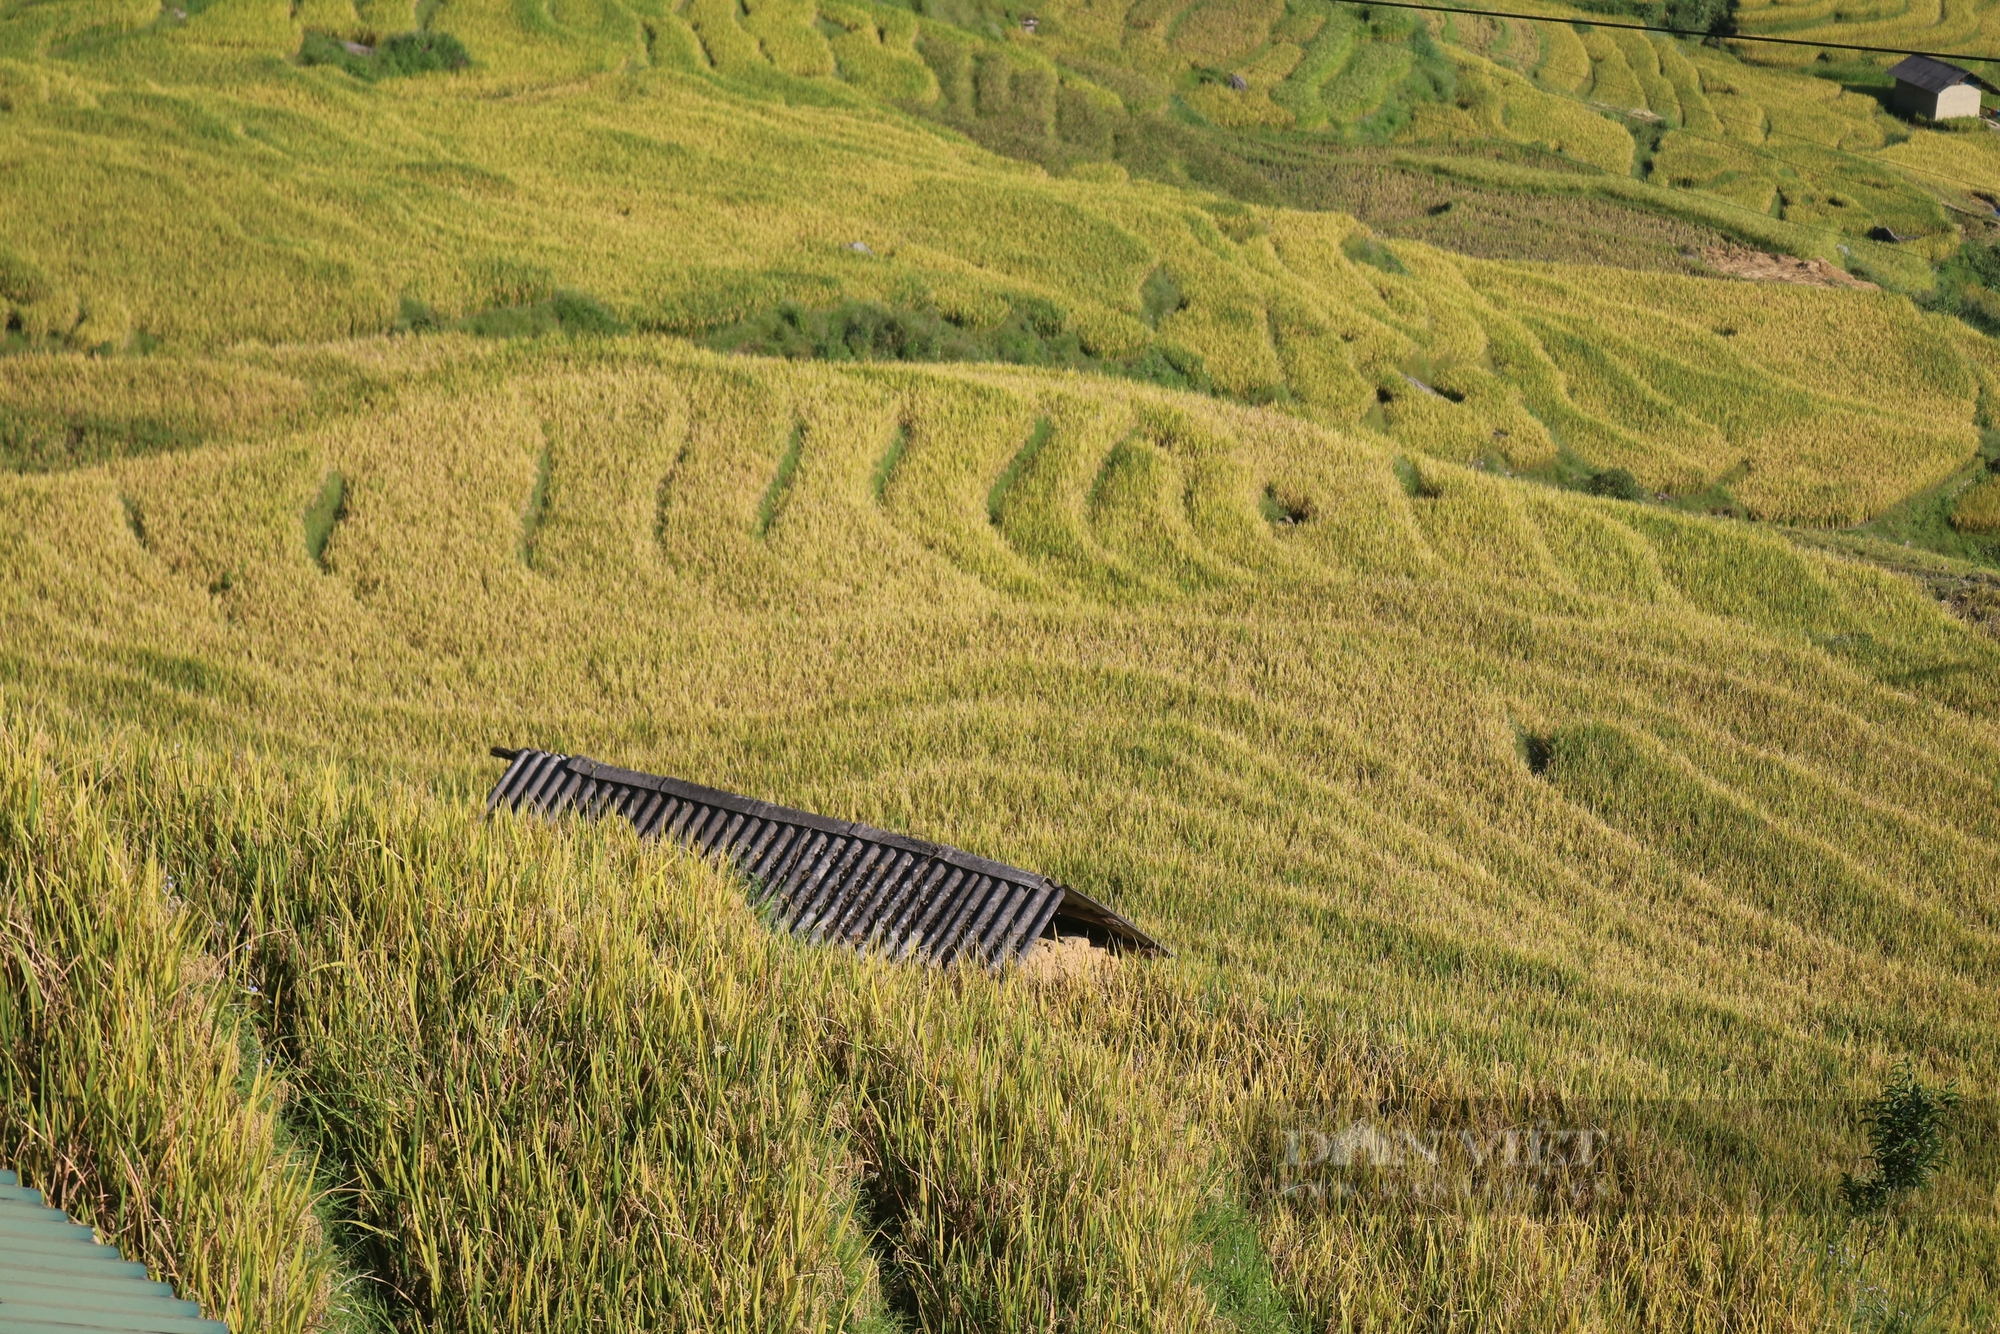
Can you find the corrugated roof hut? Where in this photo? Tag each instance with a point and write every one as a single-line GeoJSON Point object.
{"type": "Point", "coordinates": [54, 1276]}
{"type": "Point", "coordinates": [825, 879]}
{"type": "Point", "coordinates": [1931, 88]}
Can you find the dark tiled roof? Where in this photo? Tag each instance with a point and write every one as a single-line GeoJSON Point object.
{"type": "Point", "coordinates": [823, 879]}
{"type": "Point", "coordinates": [56, 1279]}
{"type": "Point", "coordinates": [1933, 76]}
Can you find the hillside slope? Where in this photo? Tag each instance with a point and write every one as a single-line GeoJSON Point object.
{"type": "Point", "coordinates": [1122, 507]}
{"type": "Point", "coordinates": [1442, 786]}
{"type": "Point", "coordinates": [295, 205]}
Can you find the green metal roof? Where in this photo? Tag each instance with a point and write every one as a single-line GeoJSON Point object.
{"type": "Point", "coordinates": [56, 1279]}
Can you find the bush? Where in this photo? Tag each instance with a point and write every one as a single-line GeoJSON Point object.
{"type": "Point", "coordinates": [404, 54]}
{"type": "Point", "coordinates": [567, 311]}
{"type": "Point", "coordinates": [1714, 17]}
{"type": "Point", "coordinates": [1036, 332]}
{"type": "Point", "coordinates": [582, 313]}
{"type": "Point", "coordinates": [420, 53]}
{"type": "Point", "coordinates": [1907, 1125]}
{"type": "Point", "coordinates": [1968, 286]}
{"type": "Point", "coordinates": [1616, 483]}
{"type": "Point", "coordinates": [415, 316]}
{"type": "Point", "coordinates": [1161, 295]}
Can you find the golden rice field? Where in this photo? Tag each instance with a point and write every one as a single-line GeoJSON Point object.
{"type": "Point", "coordinates": [1754, 867]}
{"type": "Point", "coordinates": [1931, 25]}
{"type": "Point", "coordinates": [1978, 510]}
{"type": "Point", "coordinates": [282, 204]}
{"type": "Point", "coordinates": [1469, 804]}
{"type": "Point", "coordinates": [1756, 146]}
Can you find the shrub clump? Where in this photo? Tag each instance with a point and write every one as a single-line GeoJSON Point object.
{"type": "Point", "coordinates": [1034, 333]}
{"type": "Point", "coordinates": [1617, 483]}
{"type": "Point", "coordinates": [404, 54]}
{"type": "Point", "coordinates": [1908, 1124]}
{"type": "Point", "coordinates": [564, 311]}
{"type": "Point", "coordinates": [1968, 286]}
{"type": "Point", "coordinates": [1717, 18]}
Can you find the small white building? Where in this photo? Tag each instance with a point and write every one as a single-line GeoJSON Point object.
{"type": "Point", "coordinates": [1933, 89]}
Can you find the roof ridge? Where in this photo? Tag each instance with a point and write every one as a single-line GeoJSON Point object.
{"type": "Point", "coordinates": [55, 1272]}
{"type": "Point", "coordinates": [824, 878]}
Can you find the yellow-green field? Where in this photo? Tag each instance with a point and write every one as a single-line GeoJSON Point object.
{"type": "Point", "coordinates": [1467, 801]}
{"type": "Point", "coordinates": [301, 205]}
{"type": "Point", "coordinates": [1756, 864]}
{"type": "Point", "coordinates": [1978, 510]}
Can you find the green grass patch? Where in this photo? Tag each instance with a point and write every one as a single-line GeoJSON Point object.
{"type": "Point", "coordinates": [1946, 519]}
{"type": "Point", "coordinates": [538, 502]}
{"type": "Point", "coordinates": [33, 441]}
{"type": "Point", "coordinates": [885, 467]}
{"type": "Point", "coordinates": [135, 519]}
{"type": "Point", "coordinates": [1160, 296]}
{"type": "Point", "coordinates": [773, 500]}
{"type": "Point", "coordinates": [1237, 1274]}
{"type": "Point", "coordinates": [1415, 485]}
{"type": "Point", "coordinates": [1034, 333]}
{"type": "Point", "coordinates": [328, 508]}
{"type": "Point", "coordinates": [564, 311]}
{"type": "Point", "coordinates": [1365, 249]}
{"type": "Point", "coordinates": [854, 331]}
{"type": "Point", "coordinates": [401, 56]}
{"type": "Point", "coordinates": [1968, 286]}
{"type": "Point", "coordinates": [996, 497]}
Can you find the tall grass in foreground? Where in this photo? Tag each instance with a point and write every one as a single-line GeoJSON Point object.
{"type": "Point", "coordinates": [564, 1080]}
{"type": "Point", "coordinates": [123, 1095]}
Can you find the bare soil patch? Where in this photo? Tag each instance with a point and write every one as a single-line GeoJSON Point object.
{"type": "Point", "coordinates": [1761, 267]}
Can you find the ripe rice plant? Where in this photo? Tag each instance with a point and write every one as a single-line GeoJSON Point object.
{"type": "Point", "coordinates": [786, 36]}
{"type": "Point", "coordinates": [1977, 510]}
{"type": "Point", "coordinates": [1133, 678]}
{"type": "Point", "coordinates": [1018, 439]}
{"type": "Point", "coordinates": [1084, 247]}
{"type": "Point", "coordinates": [131, 1092]}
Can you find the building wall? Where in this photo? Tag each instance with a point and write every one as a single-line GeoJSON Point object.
{"type": "Point", "coordinates": [1914, 101]}
{"type": "Point", "coordinates": [1960, 101]}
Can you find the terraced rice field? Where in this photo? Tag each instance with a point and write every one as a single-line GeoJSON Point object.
{"type": "Point", "coordinates": [349, 428]}
{"type": "Point", "coordinates": [1293, 749]}
{"type": "Point", "coordinates": [1692, 381]}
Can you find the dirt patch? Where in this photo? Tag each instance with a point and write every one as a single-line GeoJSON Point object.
{"type": "Point", "coordinates": [1063, 958]}
{"type": "Point", "coordinates": [1971, 594]}
{"type": "Point", "coordinates": [1973, 598]}
{"type": "Point", "coordinates": [1760, 267]}
{"type": "Point", "coordinates": [1636, 113]}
